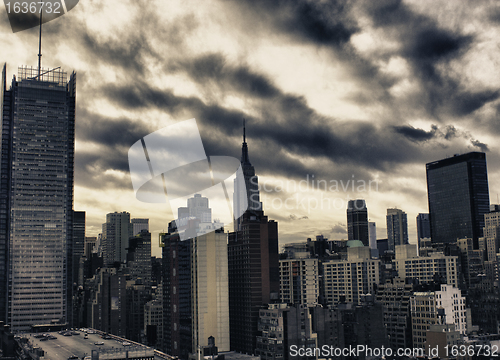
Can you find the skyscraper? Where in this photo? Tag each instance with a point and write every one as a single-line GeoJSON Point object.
{"type": "Point", "coordinates": [251, 196]}
{"type": "Point", "coordinates": [36, 197]}
{"type": "Point", "coordinates": [357, 221]}
{"type": "Point", "coordinates": [253, 271]}
{"type": "Point", "coordinates": [458, 196]}
{"type": "Point", "coordinates": [195, 283]}
{"type": "Point", "coordinates": [253, 263]}
{"type": "Point", "coordinates": [116, 232]}
{"type": "Point", "coordinates": [397, 228]}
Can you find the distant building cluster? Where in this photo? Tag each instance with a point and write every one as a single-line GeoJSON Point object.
{"type": "Point", "coordinates": [215, 291]}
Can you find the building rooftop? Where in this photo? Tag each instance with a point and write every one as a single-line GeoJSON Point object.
{"type": "Point", "coordinates": [62, 346]}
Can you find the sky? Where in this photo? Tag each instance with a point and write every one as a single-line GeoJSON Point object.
{"type": "Point", "coordinates": [342, 99]}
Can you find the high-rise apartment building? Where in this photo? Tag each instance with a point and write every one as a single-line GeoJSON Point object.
{"type": "Point", "coordinates": [357, 221]}
{"type": "Point", "coordinates": [395, 295]}
{"type": "Point", "coordinates": [446, 306]}
{"type": "Point", "coordinates": [347, 280]}
{"type": "Point", "coordinates": [283, 328]}
{"type": "Point", "coordinates": [116, 232]}
{"type": "Point", "coordinates": [299, 279]}
{"type": "Point", "coordinates": [36, 197]}
{"type": "Point", "coordinates": [397, 228]}
{"type": "Point", "coordinates": [472, 264]}
{"type": "Point", "coordinates": [426, 269]}
{"type": "Point", "coordinates": [457, 189]}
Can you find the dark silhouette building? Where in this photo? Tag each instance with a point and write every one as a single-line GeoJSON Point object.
{"type": "Point", "coordinates": [177, 327]}
{"type": "Point", "coordinates": [246, 190]}
{"type": "Point", "coordinates": [423, 226]}
{"type": "Point", "coordinates": [458, 196]}
{"type": "Point", "coordinates": [357, 221]}
{"type": "Point", "coordinates": [253, 266]}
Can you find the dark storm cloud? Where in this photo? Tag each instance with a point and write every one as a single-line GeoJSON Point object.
{"type": "Point", "coordinates": [447, 133]}
{"type": "Point", "coordinates": [288, 127]}
{"type": "Point", "coordinates": [414, 134]}
{"type": "Point", "coordinates": [113, 138]}
{"type": "Point", "coordinates": [128, 54]}
{"type": "Point", "coordinates": [325, 22]}
{"type": "Point", "coordinates": [91, 169]}
{"type": "Point", "coordinates": [482, 146]}
{"type": "Point", "coordinates": [95, 128]}
{"type": "Point", "coordinates": [426, 46]}
{"type": "Point", "coordinates": [467, 102]}
{"type": "Point", "coordinates": [132, 48]}
{"type": "Point", "coordinates": [421, 41]}
{"type": "Point", "coordinates": [213, 67]}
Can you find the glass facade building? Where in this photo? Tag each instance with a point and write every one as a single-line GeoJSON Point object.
{"type": "Point", "coordinates": [458, 195]}
{"type": "Point", "coordinates": [357, 221]}
{"type": "Point", "coordinates": [36, 197]}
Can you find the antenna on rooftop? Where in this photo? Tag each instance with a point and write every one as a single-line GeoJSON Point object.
{"type": "Point", "coordinates": [244, 133]}
{"type": "Point", "coordinates": [40, 47]}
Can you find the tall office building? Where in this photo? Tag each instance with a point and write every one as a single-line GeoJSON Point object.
{"type": "Point", "coordinates": [253, 276]}
{"type": "Point", "coordinates": [253, 262]}
{"type": "Point", "coordinates": [36, 197]}
{"type": "Point", "coordinates": [357, 221]}
{"type": "Point", "coordinates": [78, 233]}
{"type": "Point", "coordinates": [116, 232]}
{"type": "Point", "coordinates": [251, 196]}
{"type": "Point", "coordinates": [138, 225]}
{"type": "Point", "coordinates": [397, 228]}
{"type": "Point", "coordinates": [458, 196]}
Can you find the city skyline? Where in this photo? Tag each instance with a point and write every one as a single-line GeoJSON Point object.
{"type": "Point", "coordinates": [373, 92]}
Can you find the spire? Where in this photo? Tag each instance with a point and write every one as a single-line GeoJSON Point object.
{"type": "Point", "coordinates": [244, 149]}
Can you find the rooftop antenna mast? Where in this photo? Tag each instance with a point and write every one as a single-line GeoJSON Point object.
{"type": "Point", "coordinates": [40, 47]}
{"type": "Point", "coordinates": [244, 132]}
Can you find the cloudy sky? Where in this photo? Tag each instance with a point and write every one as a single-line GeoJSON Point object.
{"type": "Point", "coordinates": [346, 92]}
